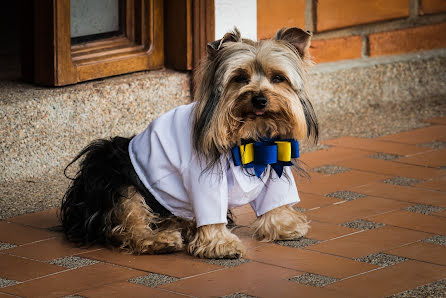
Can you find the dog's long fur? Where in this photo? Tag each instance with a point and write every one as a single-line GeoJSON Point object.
{"type": "Point", "coordinates": [108, 204]}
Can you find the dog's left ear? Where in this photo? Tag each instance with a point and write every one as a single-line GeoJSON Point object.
{"type": "Point", "coordinates": [213, 47]}
{"type": "Point", "coordinates": [297, 37]}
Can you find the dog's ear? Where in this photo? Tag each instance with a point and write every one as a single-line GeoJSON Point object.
{"type": "Point", "coordinates": [297, 37]}
{"type": "Point", "coordinates": [213, 47]}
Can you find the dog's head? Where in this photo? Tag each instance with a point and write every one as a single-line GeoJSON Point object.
{"type": "Point", "coordinates": [247, 90]}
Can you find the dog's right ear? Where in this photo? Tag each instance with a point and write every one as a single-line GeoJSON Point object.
{"type": "Point", "coordinates": [213, 47]}
{"type": "Point", "coordinates": [298, 38]}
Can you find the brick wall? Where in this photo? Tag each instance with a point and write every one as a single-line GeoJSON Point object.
{"type": "Point", "coordinates": [358, 29]}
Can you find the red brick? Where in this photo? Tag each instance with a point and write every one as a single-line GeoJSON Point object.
{"type": "Point", "coordinates": [432, 6]}
{"type": "Point", "coordinates": [408, 40]}
{"type": "Point", "coordinates": [336, 49]}
{"type": "Point", "coordinates": [273, 15]}
{"type": "Point", "coordinates": [333, 14]}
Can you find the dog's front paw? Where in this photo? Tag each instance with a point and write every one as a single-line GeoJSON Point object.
{"type": "Point", "coordinates": [216, 242]}
{"type": "Point", "coordinates": [283, 223]}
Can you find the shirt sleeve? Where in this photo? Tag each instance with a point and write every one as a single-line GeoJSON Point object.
{"type": "Point", "coordinates": [276, 193]}
{"type": "Point", "coordinates": [207, 192]}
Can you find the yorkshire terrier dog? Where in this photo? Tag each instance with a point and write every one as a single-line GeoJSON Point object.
{"type": "Point", "coordinates": [171, 186]}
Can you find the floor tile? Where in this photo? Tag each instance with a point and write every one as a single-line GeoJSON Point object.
{"type": "Point", "coordinates": [153, 280]}
{"type": "Point", "coordinates": [369, 242]}
{"type": "Point", "coordinates": [20, 269]}
{"type": "Point", "coordinates": [362, 224]}
{"type": "Point", "coordinates": [345, 195]}
{"type": "Point", "coordinates": [242, 210]}
{"type": "Point", "coordinates": [424, 209]}
{"type": "Point", "coordinates": [422, 251]}
{"type": "Point", "coordinates": [441, 213]}
{"type": "Point", "coordinates": [436, 239]}
{"type": "Point", "coordinates": [314, 280]}
{"type": "Point", "coordinates": [127, 289]}
{"type": "Point", "coordinates": [310, 201]}
{"type": "Point", "coordinates": [435, 158]}
{"type": "Point", "coordinates": [403, 193]}
{"type": "Point", "coordinates": [177, 265]}
{"type": "Point", "coordinates": [322, 184]}
{"type": "Point", "coordinates": [402, 181]}
{"type": "Point", "coordinates": [384, 156]}
{"type": "Point", "coordinates": [326, 231]}
{"type": "Point", "coordinates": [375, 145]}
{"type": "Point", "coordinates": [231, 280]}
{"type": "Point", "coordinates": [246, 218]}
{"type": "Point", "coordinates": [72, 281]}
{"type": "Point", "coordinates": [433, 289]}
{"type": "Point", "coordinates": [356, 209]}
{"type": "Point", "coordinates": [72, 262]}
{"type": "Point", "coordinates": [18, 234]}
{"type": "Point", "coordinates": [246, 235]}
{"type": "Point", "coordinates": [437, 183]}
{"type": "Point", "coordinates": [414, 221]}
{"type": "Point", "coordinates": [308, 261]}
{"type": "Point", "coordinates": [381, 259]}
{"type": "Point", "coordinates": [391, 280]}
{"type": "Point", "coordinates": [290, 289]}
{"type": "Point", "coordinates": [391, 168]}
{"type": "Point", "coordinates": [328, 156]}
{"type": "Point", "coordinates": [330, 170]}
{"type": "Point", "coordinates": [44, 219]}
{"type": "Point", "coordinates": [47, 249]}
{"type": "Point", "coordinates": [418, 136]}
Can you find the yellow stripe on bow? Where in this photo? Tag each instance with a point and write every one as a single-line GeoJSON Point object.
{"type": "Point", "coordinates": [283, 150]}
{"type": "Point", "coordinates": [247, 153]}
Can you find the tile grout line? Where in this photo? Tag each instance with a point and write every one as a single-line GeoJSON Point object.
{"type": "Point", "coordinates": [34, 242]}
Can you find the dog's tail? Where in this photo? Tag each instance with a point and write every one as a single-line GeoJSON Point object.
{"type": "Point", "coordinates": [105, 171]}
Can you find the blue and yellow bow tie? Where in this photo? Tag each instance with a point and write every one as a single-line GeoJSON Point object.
{"type": "Point", "coordinates": [258, 155]}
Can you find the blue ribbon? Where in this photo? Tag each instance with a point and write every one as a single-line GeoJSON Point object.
{"type": "Point", "coordinates": [265, 153]}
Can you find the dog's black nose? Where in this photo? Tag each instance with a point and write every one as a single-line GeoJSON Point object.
{"type": "Point", "coordinates": [259, 101]}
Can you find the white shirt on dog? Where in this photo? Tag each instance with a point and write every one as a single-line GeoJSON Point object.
{"type": "Point", "coordinates": [166, 163]}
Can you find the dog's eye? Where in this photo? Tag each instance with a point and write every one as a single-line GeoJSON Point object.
{"type": "Point", "coordinates": [278, 79]}
{"type": "Point", "coordinates": [242, 79]}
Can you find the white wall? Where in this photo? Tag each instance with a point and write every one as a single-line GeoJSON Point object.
{"type": "Point", "coordinates": [239, 13]}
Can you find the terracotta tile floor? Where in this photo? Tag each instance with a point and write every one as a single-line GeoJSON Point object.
{"type": "Point", "coordinates": [378, 211]}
